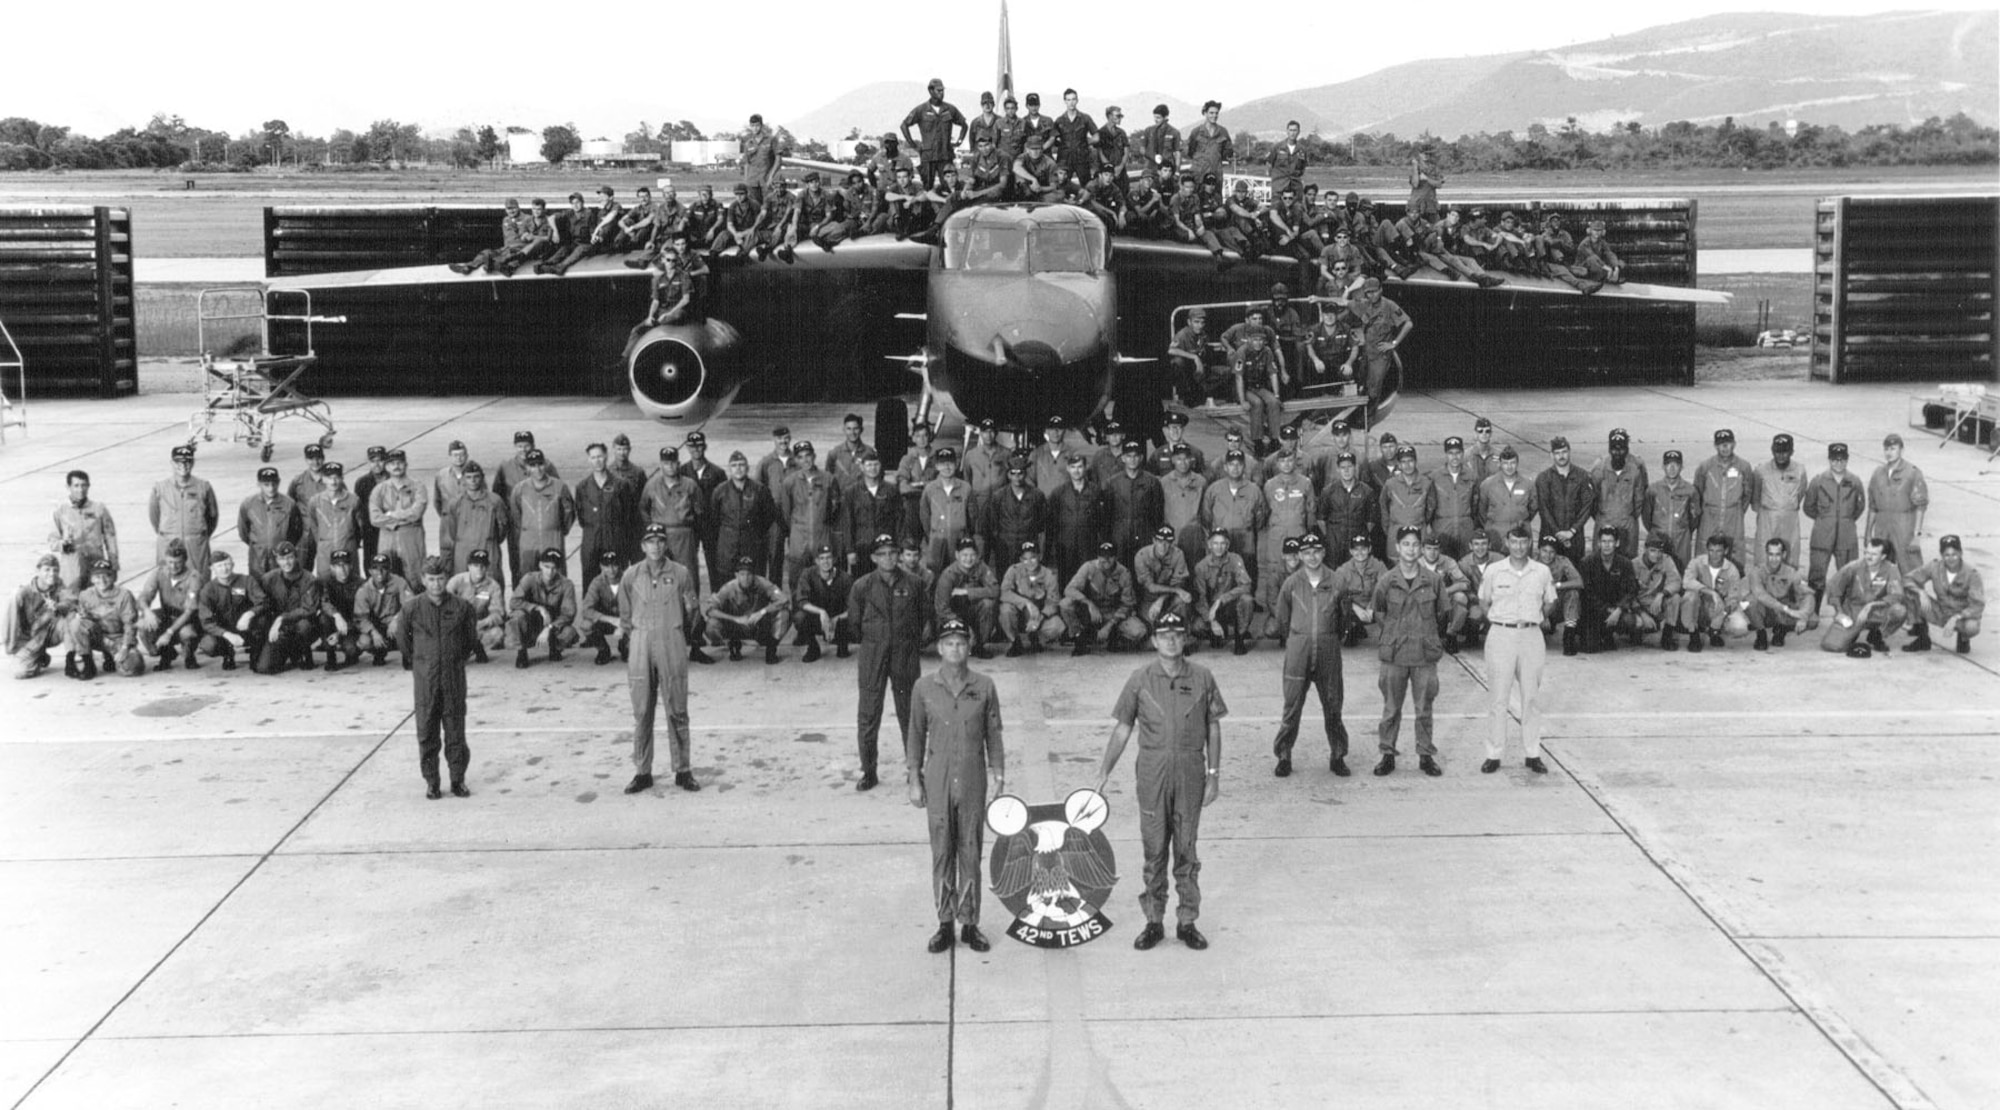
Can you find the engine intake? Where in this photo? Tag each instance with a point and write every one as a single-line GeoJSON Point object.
{"type": "Point", "coordinates": [685, 372]}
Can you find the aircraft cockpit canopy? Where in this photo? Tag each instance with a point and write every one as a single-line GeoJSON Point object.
{"type": "Point", "coordinates": [1037, 239]}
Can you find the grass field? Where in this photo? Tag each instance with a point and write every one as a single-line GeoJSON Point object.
{"type": "Point", "coordinates": [222, 217]}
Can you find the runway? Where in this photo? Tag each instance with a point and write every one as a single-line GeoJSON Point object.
{"type": "Point", "coordinates": [1751, 879]}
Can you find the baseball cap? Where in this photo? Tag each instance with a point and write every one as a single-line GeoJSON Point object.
{"type": "Point", "coordinates": [1170, 622]}
{"type": "Point", "coordinates": [954, 628]}
{"type": "Point", "coordinates": [480, 556]}
{"type": "Point", "coordinates": [1836, 450]}
{"type": "Point", "coordinates": [380, 559]}
{"type": "Point", "coordinates": [1164, 532]}
{"type": "Point", "coordinates": [551, 555]}
{"type": "Point", "coordinates": [267, 474]}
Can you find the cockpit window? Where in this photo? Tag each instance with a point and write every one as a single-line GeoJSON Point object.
{"type": "Point", "coordinates": [1067, 250]}
{"type": "Point", "coordinates": [986, 249]}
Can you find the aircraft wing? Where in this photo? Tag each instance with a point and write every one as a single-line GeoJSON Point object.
{"type": "Point", "coordinates": [1155, 255]}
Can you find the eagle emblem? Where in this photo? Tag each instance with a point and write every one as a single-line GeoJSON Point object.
{"type": "Point", "coordinates": [1052, 868]}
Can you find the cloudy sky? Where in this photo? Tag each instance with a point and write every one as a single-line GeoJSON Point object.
{"type": "Point", "coordinates": [231, 64]}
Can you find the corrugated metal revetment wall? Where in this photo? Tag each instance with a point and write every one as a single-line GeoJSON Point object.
{"type": "Point", "coordinates": [321, 240]}
{"type": "Point", "coordinates": [1905, 288]}
{"type": "Point", "coordinates": [66, 295]}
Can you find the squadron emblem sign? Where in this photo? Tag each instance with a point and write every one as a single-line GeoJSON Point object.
{"type": "Point", "coordinates": [1052, 868]}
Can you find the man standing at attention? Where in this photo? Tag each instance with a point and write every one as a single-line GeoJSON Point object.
{"type": "Point", "coordinates": [955, 758]}
{"type": "Point", "coordinates": [1516, 592]}
{"type": "Point", "coordinates": [1897, 498]}
{"type": "Point", "coordinates": [1412, 604]}
{"type": "Point", "coordinates": [435, 636]}
{"type": "Point", "coordinates": [1176, 710]}
{"type": "Point", "coordinates": [656, 607]}
{"type": "Point", "coordinates": [182, 507]}
{"type": "Point", "coordinates": [888, 607]}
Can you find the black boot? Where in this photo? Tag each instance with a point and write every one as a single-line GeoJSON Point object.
{"type": "Point", "coordinates": [1778, 638]}
{"type": "Point", "coordinates": [1763, 642]}
{"type": "Point", "coordinates": [167, 657]}
{"type": "Point", "coordinates": [812, 649]}
{"type": "Point", "coordinates": [1569, 639]}
{"type": "Point", "coordinates": [1667, 640]}
{"type": "Point", "coordinates": [771, 652]}
{"type": "Point", "coordinates": [87, 669]}
{"type": "Point", "coordinates": [478, 653]}
{"type": "Point", "coordinates": [70, 669]}
{"type": "Point", "coordinates": [603, 653]}
{"type": "Point", "coordinates": [735, 651]}
{"type": "Point", "coordinates": [1920, 638]}
{"type": "Point", "coordinates": [1964, 645]}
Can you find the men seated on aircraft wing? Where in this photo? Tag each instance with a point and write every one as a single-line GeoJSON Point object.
{"type": "Point", "coordinates": [986, 176]}
{"type": "Point", "coordinates": [1037, 176]}
{"type": "Point", "coordinates": [1595, 259]}
{"type": "Point", "coordinates": [514, 229]}
{"type": "Point", "coordinates": [1106, 199]}
{"type": "Point", "coordinates": [737, 229]}
{"type": "Point", "coordinates": [1187, 216]}
{"type": "Point", "coordinates": [772, 223]}
{"type": "Point", "coordinates": [1147, 216]}
{"type": "Point", "coordinates": [586, 232]}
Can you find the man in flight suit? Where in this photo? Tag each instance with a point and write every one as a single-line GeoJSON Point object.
{"type": "Point", "coordinates": [1947, 593]}
{"type": "Point", "coordinates": [656, 607]}
{"type": "Point", "coordinates": [1176, 710]}
{"type": "Point", "coordinates": [435, 636]}
{"type": "Point", "coordinates": [84, 534]}
{"type": "Point", "coordinates": [1307, 615]}
{"type": "Point", "coordinates": [955, 757]}
{"type": "Point", "coordinates": [183, 507]}
{"type": "Point", "coordinates": [1727, 487]}
{"type": "Point", "coordinates": [396, 507]}
{"type": "Point", "coordinates": [1835, 501]}
{"type": "Point", "coordinates": [888, 608]}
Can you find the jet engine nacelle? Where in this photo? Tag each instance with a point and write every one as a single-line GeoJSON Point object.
{"type": "Point", "coordinates": [685, 372]}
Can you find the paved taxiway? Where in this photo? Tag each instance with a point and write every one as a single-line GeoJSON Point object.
{"type": "Point", "coordinates": [1752, 879]}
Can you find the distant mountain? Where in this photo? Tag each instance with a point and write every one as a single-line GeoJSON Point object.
{"type": "Point", "coordinates": [880, 106]}
{"type": "Point", "coordinates": [1898, 67]}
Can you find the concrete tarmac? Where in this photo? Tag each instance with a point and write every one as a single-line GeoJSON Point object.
{"type": "Point", "coordinates": [1750, 879]}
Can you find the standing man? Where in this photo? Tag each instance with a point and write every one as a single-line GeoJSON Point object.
{"type": "Point", "coordinates": [1209, 144]}
{"type": "Point", "coordinates": [1307, 617]}
{"type": "Point", "coordinates": [808, 504]}
{"type": "Point", "coordinates": [1176, 710]}
{"type": "Point", "coordinates": [1507, 500]}
{"type": "Point", "coordinates": [265, 519]}
{"type": "Point", "coordinates": [183, 507]}
{"type": "Point", "coordinates": [674, 500]}
{"type": "Point", "coordinates": [760, 158]}
{"type": "Point", "coordinates": [1897, 498]}
{"type": "Point", "coordinates": [1457, 487]}
{"type": "Point", "coordinates": [954, 756]}
{"type": "Point", "coordinates": [84, 534]}
{"type": "Point", "coordinates": [1673, 509]}
{"type": "Point", "coordinates": [940, 126]}
{"type": "Point", "coordinates": [1288, 161]}
{"type": "Point", "coordinates": [543, 512]}
{"type": "Point", "coordinates": [1568, 499]}
{"type": "Point", "coordinates": [656, 608]}
{"type": "Point", "coordinates": [1412, 605]}
{"type": "Point", "coordinates": [447, 485]}
{"type": "Point", "coordinates": [1726, 487]}
{"type": "Point", "coordinates": [1835, 501]}
{"type": "Point", "coordinates": [1621, 486]}
{"type": "Point", "coordinates": [334, 518]}
{"type": "Point", "coordinates": [364, 492]}
{"type": "Point", "coordinates": [743, 513]}
{"type": "Point", "coordinates": [1516, 591]}
{"type": "Point", "coordinates": [396, 507]}
{"type": "Point", "coordinates": [1160, 147]}
{"type": "Point", "coordinates": [477, 521]}
{"type": "Point", "coordinates": [1135, 500]}
{"type": "Point", "coordinates": [889, 608]}
{"type": "Point", "coordinates": [1780, 495]}
{"type": "Point", "coordinates": [1076, 139]}
{"type": "Point", "coordinates": [844, 461]}
{"type": "Point", "coordinates": [436, 636]}
{"type": "Point", "coordinates": [602, 508]}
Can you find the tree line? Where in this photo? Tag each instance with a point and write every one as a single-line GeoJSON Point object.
{"type": "Point", "coordinates": [170, 141]}
{"type": "Point", "coordinates": [1958, 141]}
